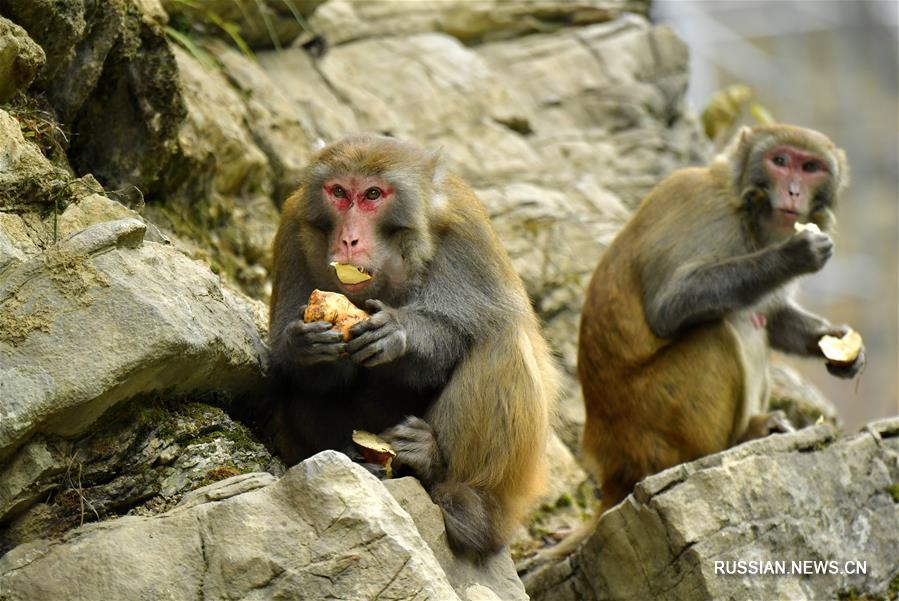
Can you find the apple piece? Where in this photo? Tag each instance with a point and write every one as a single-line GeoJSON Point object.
{"type": "Point", "coordinates": [349, 274]}
{"type": "Point", "coordinates": [841, 351]}
{"type": "Point", "coordinates": [801, 227]}
{"type": "Point", "coordinates": [374, 449]}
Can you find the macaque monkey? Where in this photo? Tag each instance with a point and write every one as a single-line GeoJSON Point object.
{"type": "Point", "coordinates": [451, 367]}
{"type": "Point", "coordinates": [691, 295]}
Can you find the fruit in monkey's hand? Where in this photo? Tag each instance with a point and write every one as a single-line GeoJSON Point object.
{"type": "Point", "coordinates": [801, 227]}
{"type": "Point", "coordinates": [350, 274]}
{"type": "Point", "coordinates": [841, 351]}
{"type": "Point", "coordinates": [374, 449]}
{"type": "Point", "coordinates": [334, 308]}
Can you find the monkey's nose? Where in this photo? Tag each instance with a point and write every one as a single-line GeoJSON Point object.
{"type": "Point", "coordinates": [350, 242]}
{"type": "Point", "coordinates": [794, 189]}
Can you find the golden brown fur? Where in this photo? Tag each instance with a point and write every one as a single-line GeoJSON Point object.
{"type": "Point", "coordinates": [671, 365]}
{"type": "Point", "coordinates": [490, 416]}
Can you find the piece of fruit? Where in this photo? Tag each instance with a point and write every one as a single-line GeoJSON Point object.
{"type": "Point", "coordinates": [841, 351]}
{"type": "Point", "coordinates": [801, 227]}
{"type": "Point", "coordinates": [335, 308]}
{"type": "Point", "coordinates": [374, 449]}
{"type": "Point", "coordinates": [349, 274]}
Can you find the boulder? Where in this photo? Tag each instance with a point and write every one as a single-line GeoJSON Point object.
{"type": "Point", "coordinates": [20, 59]}
{"type": "Point", "coordinates": [341, 21]}
{"type": "Point", "coordinates": [327, 528]}
{"type": "Point", "coordinates": [257, 23]}
{"type": "Point", "coordinates": [155, 321]}
{"type": "Point", "coordinates": [27, 179]}
{"type": "Point", "coordinates": [491, 580]}
{"type": "Point", "coordinates": [139, 459]}
{"type": "Point", "coordinates": [815, 517]}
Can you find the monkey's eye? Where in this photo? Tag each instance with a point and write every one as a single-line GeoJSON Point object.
{"type": "Point", "coordinates": [810, 167]}
{"type": "Point", "coordinates": [780, 160]}
{"type": "Point", "coordinates": [338, 192]}
{"type": "Point", "coordinates": [373, 194]}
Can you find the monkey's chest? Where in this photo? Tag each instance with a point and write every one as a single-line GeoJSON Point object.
{"type": "Point", "coordinates": [749, 327]}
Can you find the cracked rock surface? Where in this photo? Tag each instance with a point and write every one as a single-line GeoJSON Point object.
{"type": "Point", "coordinates": [803, 496]}
{"type": "Point", "coordinates": [326, 529]}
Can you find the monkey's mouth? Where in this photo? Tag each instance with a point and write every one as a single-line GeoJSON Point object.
{"type": "Point", "coordinates": [789, 216]}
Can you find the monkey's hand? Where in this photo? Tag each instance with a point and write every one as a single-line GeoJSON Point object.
{"type": "Point", "coordinates": [841, 370]}
{"type": "Point", "coordinates": [379, 339]}
{"type": "Point", "coordinates": [315, 342]}
{"type": "Point", "coordinates": [808, 251]}
{"type": "Point", "coordinates": [416, 447]}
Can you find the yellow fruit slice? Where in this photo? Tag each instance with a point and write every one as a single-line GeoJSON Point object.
{"type": "Point", "coordinates": [374, 449]}
{"type": "Point", "coordinates": [842, 351]}
{"type": "Point", "coordinates": [349, 274]}
{"type": "Point", "coordinates": [801, 227]}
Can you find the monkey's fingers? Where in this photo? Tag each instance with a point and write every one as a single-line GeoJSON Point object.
{"type": "Point", "coordinates": [376, 321]}
{"type": "Point", "coordinates": [298, 328]}
{"type": "Point", "coordinates": [374, 306]}
{"type": "Point", "coordinates": [365, 354]}
{"type": "Point", "coordinates": [329, 336]}
{"type": "Point", "coordinates": [365, 338]}
{"type": "Point", "coordinates": [320, 352]}
{"type": "Point", "coordinates": [848, 371]}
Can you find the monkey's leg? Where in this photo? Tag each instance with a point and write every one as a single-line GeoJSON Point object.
{"type": "Point", "coordinates": [466, 510]}
{"type": "Point", "coordinates": [490, 425]}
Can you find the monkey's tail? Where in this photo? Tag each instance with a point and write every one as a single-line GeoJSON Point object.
{"type": "Point", "coordinates": [473, 518]}
{"type": "Point", "coordinates": [571, 542]}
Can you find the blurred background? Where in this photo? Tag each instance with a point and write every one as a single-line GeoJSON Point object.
{"type": "Point", "coordinates": [831, 66]}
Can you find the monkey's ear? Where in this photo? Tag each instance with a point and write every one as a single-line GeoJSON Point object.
{"type": "Point", "coordinates": [435, 164]}
{"type": "Point", "coordinates": [842, 170]}
{"type": "Point", "coordinates": [739, 143]}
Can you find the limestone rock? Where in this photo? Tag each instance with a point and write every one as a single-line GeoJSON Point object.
{"type": "Point", "coordinates": [493, 580]}
{"type": "Point", "coordinates": [139, 459]}
{"type": "Point", "coordinates": [155, 320]}
{"type": "Point", "coordinates": [259, 23]}
{"type": "Point", "coordinates": [20, 59]}
{"type": "Point", "coordinates": [341, 21]}
{"type": "Point", "coordinates": [326, 528]}
{"type": "Point", "coordinates": [803, 404]}
{"type": "Point", "coordinates": [792, 497]}
{"type": "Point", "coordinates": [27, 179]}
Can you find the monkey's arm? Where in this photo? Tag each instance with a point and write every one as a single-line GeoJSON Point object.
{"type": "Point", "coordinates": [699, 292]}
{"type": "Point", "coordinates": [793, 330]}
{"type": "Point", "coordinates": [457, 303]}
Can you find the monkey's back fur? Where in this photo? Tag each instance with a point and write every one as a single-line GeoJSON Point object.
{"type": "Point", "coordinates": [653, 402]}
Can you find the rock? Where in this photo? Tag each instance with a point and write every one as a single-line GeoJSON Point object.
{"type": "Point", "coordinates": [494, 579]}
{"type": "Point", "coordinates": [341, 21]}
{"type": "Point", "coordinates": [20, 59]}
{"type": "Point", "coordinates": [803, 404]}
{"type": "Point", "coordinates": [139, 459]}
{"type": "Point", "coordinates": [125, 128]}
{"type": "Point", "coordinates": [156, 320]}
{"type": "Point", "coordinates": [803, 496]}
{"type": "Point", "coordinates": [412, 72]}
{"type": "Point", "coordinates": [27, 179]}
{"type": "Point", "coordinates": [110, 77]}
{"type": "Point", "coordinates": [326, 528]}
{"type": "Point", "coordinates": [258, 23]}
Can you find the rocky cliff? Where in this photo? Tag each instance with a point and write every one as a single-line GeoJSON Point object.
{"type": "Point", "coordinates": [145, 148]}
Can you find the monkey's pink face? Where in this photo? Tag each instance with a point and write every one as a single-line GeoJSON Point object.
{"type": "Point", "coordinates": [358, 203]}
{"type": "Point", "coordinates": [796, 176]}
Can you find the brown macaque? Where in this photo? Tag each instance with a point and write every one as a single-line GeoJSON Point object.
{"type": "Point", "coordinates": [690, 297]}
{"type": "Point", "coordinates": [451, 367]}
